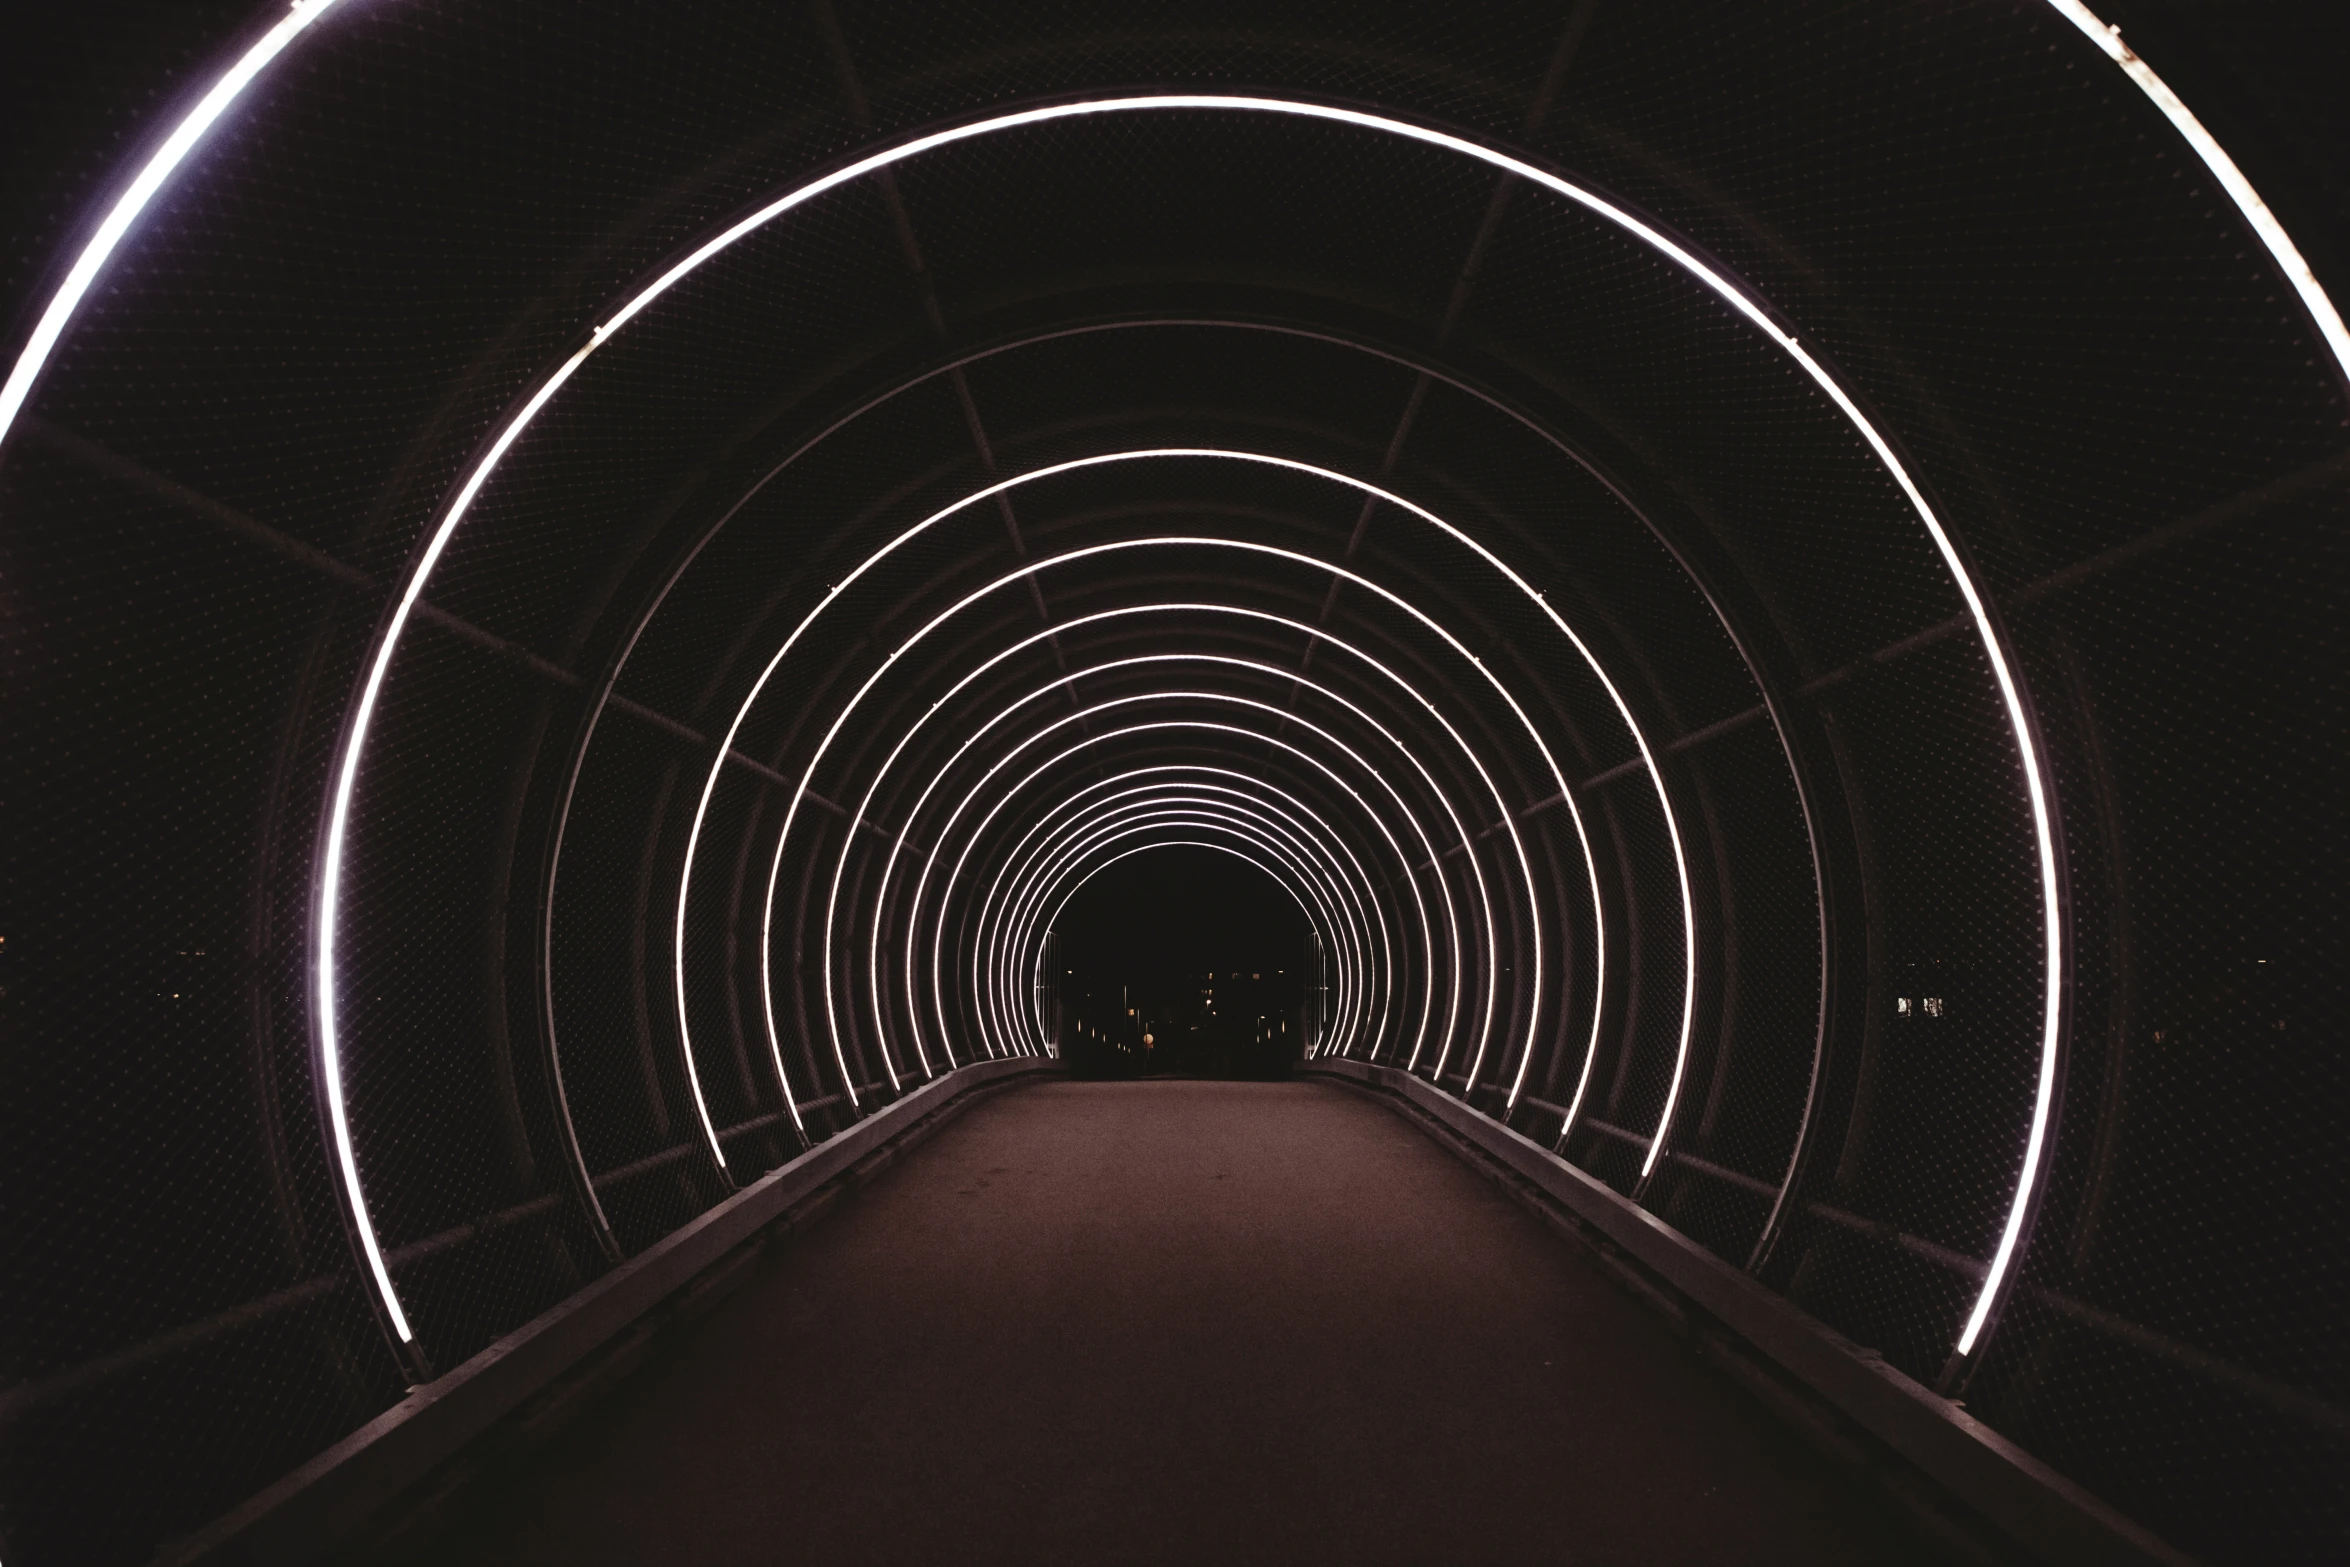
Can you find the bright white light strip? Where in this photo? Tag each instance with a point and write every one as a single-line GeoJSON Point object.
{"type": "Point", "coordinates": [2263, 222]}
{"type": "Point", "coordinates": [1118, 826]}
{"type": "Point", "coordinates": [1170, 824]}
{"type": "Point", "coordinates": [1349, 916]}
{"type": "Point", "coordinates": [1574, 810]}
{"type": "Point", "coordinates": [873, 948]}
{"type": "Point", "coordinates": [1717, 283]}
{"type": "Point", "coordinates": [1329, 836]}
{"type": "Point", "coordinates": [1468, 845]}
{"type": "Point", "coordinates": [59, 315]}
{"type": "Point", "coordinates": [2328, 321]}
{"type": "Point", "coordinates": [1025, 923]}
{"type": "Point", "coordinates": [914, 905]}
{"type": "Point", "coordinates": [1037, 920]}
{"type": "Point", "coordinates": [1558, 776]}
{"type": "Point", "coordinates": [946, 893]}
{"type": "Point", "coordinates": [1174, 843]}
{"type": "Point", "coordinates": [831, 905]}
{"type": "Point", "coordinates": [34, 357]}
{"type": "Point", "coordinates": [1367, 901]}
{"type": "Point", "coordinates": [1016, 931]}
{"type": "Point", "coordinates": [1024, 878]}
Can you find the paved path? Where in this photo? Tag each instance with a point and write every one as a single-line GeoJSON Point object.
{"type": "Point", "coordinates": [1182, 1322]}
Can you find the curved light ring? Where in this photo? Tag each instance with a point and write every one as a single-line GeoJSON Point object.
{"type": "Point", "coordinates": [873, 950]}
{"type": "Point", "coordinates": [1329, 879]}
{"type": "Point", "coordinates": [1714, 281]}
{"type": "Point", "coordinates": [1558, 776]}
{"type": "Point", "coordinates": [1574, 810]}
{"type": "Point", "coordinates": [34, 357]}
{"type": "Point", "coordinates": [1503, 812]}
{"type": "Point", "coordinates": [1169, 825]}
{"type": "Point", "coordinates": [2263, 222]}
{"type": "Point", "coordinates": [1015, 930]}
{"type": "Point", "coordinates": [1460, 829]}
{"type": "Point", "coordinates": [1037, 915]}
{"type": "Point", "coordinates": [848, 710]}
{"type": "Point", "coordinates": [946, 895]}
{"type": "Point", "coordinates": [1307, 811]}
{"type": "Point", "coordinates": [831, 1015]}
{"type": "Point", "coordinates": [1053, 914]}
{"type": "Point", "coordinates": [63, 304]}
{"type": "Point", "coordinates": [1333, 917]}
{"type": "Point", "coordinates": [1167, 844]}
{"type": "Point", "coordinates": [1138, 543]}
{"type": "Point", "coordinates": [1352, 896]}
{"type": "Point", "coordinates": [1176, 843]}
{"type": "Point", "coordinates": [1150, 817]}
{"type": "Point", "coordinates": [1333, 894]}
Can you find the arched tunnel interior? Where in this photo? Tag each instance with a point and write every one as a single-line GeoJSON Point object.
{"type": "Point", "coordinates": [1741, 603]}
{"type": "Point", "coordinates": [1177, 955]}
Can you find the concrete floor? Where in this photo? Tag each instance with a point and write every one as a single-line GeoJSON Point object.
{"type": "Point", "coordinates": [1179, 1322]}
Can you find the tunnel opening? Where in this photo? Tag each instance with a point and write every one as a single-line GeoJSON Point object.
{"type": "Point", "coordinates": [1182, 960]}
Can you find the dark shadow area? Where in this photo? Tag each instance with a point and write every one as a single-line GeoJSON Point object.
{"type": "Point", "coordinates": [1182, 961]}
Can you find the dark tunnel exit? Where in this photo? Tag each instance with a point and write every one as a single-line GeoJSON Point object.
{"type": "Point", "coordinates": [1182, 960]}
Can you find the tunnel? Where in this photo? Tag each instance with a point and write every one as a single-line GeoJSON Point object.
{"type": "Point", "coordinates": [852, 781]}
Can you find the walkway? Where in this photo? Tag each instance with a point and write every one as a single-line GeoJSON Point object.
{"type": "Point", "coordinates": [1182, 1322]}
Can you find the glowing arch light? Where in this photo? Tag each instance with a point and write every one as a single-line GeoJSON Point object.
{"type": "Point", "coordinates": [1341, 901]}
{"type": "Point", "coordinates": [1025, 912]}
{"type": "Point", "coordinates": [1172, 823]}
{"type": "Point", "coordinates": [1426, 925]}
{"type": "Point", "coordinates": [1361, 763]}
{"type": "Point", "coordinates": [2262, 221]}
{"type": "Point", "coordinates": [1714, 281]}
{"type": "Point", "coordinates": [1526, 590]}
{"type": "Point", "coordinates": [34, 357]}
{"type": "Point", "coordinates": [1173, 843]}
{"type": "Point", "coordinates": [1485, 902]}
{"type": "Point", "coordinates": [1155, 819]}
{"type": "Point", "coordinates": [1252, 788]}
{"type": "Point", "coordinates": [1315, 633]}
{"type": "Point", "coordinates": [1507, 817]}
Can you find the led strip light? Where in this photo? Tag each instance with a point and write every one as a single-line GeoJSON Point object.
{"type": "Point", "coordinates": [1305, 849]}
{"type": "Point", "coordinates": [1329, 833]}
{"type": "Point", "coordinates": [95, 254]}
{"type": "Point", "coordinates": [1506, 816]}
{"type": "Point", "coordinates": [831, 1011]}
{"type": "Point", "coordinates": [62, 306]}
{"type": "Point", "coordinates": [59, 313]}
{"type": "Point", "coordinates": [1015, 933]}
{"type": "Point", "coordinates": [1468, 845]}
{"type": "Point", "coordinates": [1550, 760]}
{"type": "Point", "coordinates": [938, 779]}
{"type": "Point", "coordinates": [1047, 917]}
{"type": "Point", "coordinates": [864, 805]}
{"type": "Point", "coordinates": [1341, 905]}
{"type": "Point", "coordinates": [339, 805]}
{"type": "Point", "coordinates": [1532, 596]}
{"type": "Point", "coordinates": [1177, 824]}
{"type": "Point", "coordinates": [2263, 222]}
{"type": "Point", "coordinates": [1175, 843]}
{"type": "Point", "coordinates": [979, 829]}
{"type": "Point", "coordinates": [1101, 834]}
{"type": "Point", "coordinates": [913, 924]}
